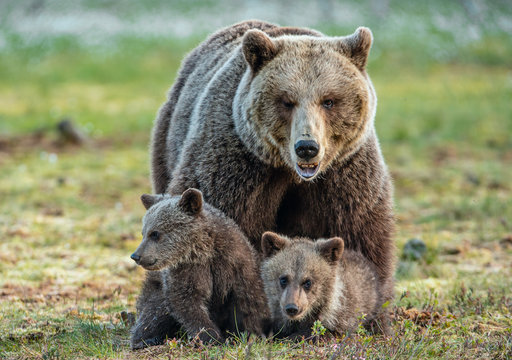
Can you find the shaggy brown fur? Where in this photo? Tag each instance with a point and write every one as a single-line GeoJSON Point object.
{"type": "Point", "coordinates": [209, 276]}
{"type": "Point", "coordinates": [154, 322]}
{"type": "Point", "coordinates": [307, 281]}
{"type": "Point", "coordinates": [244, 101]}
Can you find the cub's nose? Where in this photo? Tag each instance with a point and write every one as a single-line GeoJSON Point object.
{"type": "Point", "coordinates": [135, 257]}
{"type": "Point", "coordinates": [291, 309]}
{"type": "Point", "coordinates": [306, 149]}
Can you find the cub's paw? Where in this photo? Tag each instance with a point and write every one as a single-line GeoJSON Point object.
{"type": "Point", "coordinates": [208, 336]}
{"type": "Point", "coordinates": [146, 343]}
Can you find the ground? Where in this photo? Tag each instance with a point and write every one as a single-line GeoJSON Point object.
{"type": "Point", "coordinates": [70, 215]}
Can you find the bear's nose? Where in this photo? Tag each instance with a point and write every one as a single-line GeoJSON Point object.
{"type": "Point", "coordinates": [306, 149]}
{"type": "Point", "coordinates": [291, 309]}
{"type": "Point", "coordinates": [135, 257]}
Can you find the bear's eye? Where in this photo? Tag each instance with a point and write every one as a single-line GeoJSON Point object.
{"type": "Point", "coordinates": [154, 235]}
{"type": "Point", "coordinates": [288, 104]}
{"type": "Point", "coordinates": [306, 285]}
{"type": "Point", "coordinates": [328, 104]}
{"type": "Point", "coordinates": [283, 280]}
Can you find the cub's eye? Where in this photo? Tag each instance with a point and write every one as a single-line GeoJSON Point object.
{"type": "Point", "coordinates": [306, 285]}
{"type": "Point", "coordinates": [328, 104]}
{"type": "Point", "coordinates": [287, 104]}
{"type": "Point", "coordinates": [283, 280]}
{"type": "Point", "coordinates": [154, 235]}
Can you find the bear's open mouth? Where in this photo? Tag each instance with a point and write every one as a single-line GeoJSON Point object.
{"type": "Point", "coordinates": [307, 171]}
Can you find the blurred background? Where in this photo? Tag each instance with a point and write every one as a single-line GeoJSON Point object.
{"type": "Point", "coordinates": [47, 45]}
{"type": "Point", "coordinates": [81, 82]}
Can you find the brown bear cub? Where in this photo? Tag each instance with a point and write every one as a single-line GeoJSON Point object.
{"type": "Point", "coordinates": [209, 272]}
{"type": "Point", "coordinates": [307, 281]}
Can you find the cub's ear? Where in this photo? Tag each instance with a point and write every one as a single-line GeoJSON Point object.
{"type": "Point", "coordinates": [191, 201]}
{"type": "Point", "coordinates": [357, 46]}
{"type": "Point", "coordinates": [272, 243]}
{"type": "Point", "coordinates": [331, 249]}
{"type": "Point", "coordinates": [258, 49]}
{"type": "Point", "coordinates": [150, 200]}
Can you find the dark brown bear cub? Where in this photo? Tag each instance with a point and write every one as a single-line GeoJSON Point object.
{"type": "Point", "coordinates": [209, 272]}
{"type": "Point", "coordinates": [307, 281]}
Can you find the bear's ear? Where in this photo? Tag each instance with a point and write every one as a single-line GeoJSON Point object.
{"type": "Point", "coordinates": [331, 250]}
{"type": "Point", "coordinates": [150, 200]}
{"type": "Point", "coordinates": [357, 46]}
{"type": "Point", "coordinates": [258, 49]}
{"type": "Point", "coordinates": [191, 201]}
{"type": "Point", "coordinates": [272, 243]}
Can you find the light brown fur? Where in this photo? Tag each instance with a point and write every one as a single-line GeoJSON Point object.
{"type": "Point", "coordinates": [319, 281]}
{"type": "Point", "coordinates": [208, 271]}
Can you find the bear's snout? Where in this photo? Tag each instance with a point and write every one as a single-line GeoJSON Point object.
{"type": "Point", "coordinates": [135, 257]}
{"type": "Point", "coordinates": [291, 309]}
{"type": "Point", "coordinates": [306, 149]}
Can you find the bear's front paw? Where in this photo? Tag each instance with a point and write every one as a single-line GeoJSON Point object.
{"type": "Point", "coordinates": [147, 342]}
{"type": "Point", "coordinates": [208, 336]}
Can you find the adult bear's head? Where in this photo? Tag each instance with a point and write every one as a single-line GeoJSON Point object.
{"type": "Point", "coordinates": [305, 102]}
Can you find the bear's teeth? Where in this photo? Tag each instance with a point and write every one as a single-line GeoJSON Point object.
{"type": "Point", "coordinates": [308, 165]}
{"type": "Point", "coordinates": [306, 171]}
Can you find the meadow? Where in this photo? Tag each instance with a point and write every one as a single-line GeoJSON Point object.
{"type": "Point", "coordinates": [70, 216]}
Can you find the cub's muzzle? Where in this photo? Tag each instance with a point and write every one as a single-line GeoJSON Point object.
{"type": "Point", "coordinates": [291, 309]}
{"type": "Point", "coordinates": [135, 257]}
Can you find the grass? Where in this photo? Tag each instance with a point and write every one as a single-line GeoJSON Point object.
{"type": "Point", "coordinates": [70, 216]}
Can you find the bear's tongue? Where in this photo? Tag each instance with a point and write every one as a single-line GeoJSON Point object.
{"type": "Point", "coordinates": [306, 170]}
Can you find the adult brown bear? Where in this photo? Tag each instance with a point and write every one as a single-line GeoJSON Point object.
{"type": "Point", "coordinates": [275, 125]}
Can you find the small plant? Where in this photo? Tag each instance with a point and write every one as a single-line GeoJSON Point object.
{"type": "Point", "coordinates": [318, 329]}
{"type": "Point", "coordinates": [361, 331]}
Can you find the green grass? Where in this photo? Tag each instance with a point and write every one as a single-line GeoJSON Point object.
{"type": "Point", "coordinates": [107, 92]}
{"type": "Point", "coordinates": [70, 216]}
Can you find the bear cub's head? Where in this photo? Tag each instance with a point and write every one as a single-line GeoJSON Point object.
{"type": "Point", "coordinates": [170, 229]}
{"type": "Point", "coordinates": [299, 275]}
{"type": "Point", "coordinates": [305, 101]}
